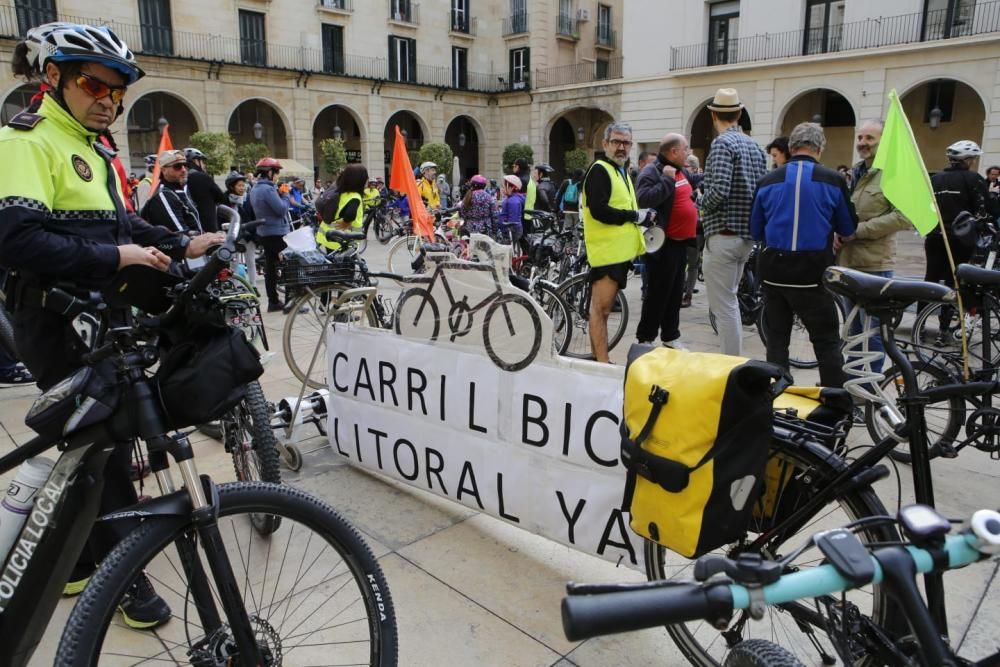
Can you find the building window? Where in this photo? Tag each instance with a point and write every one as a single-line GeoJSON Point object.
{"type": "Point", "coordinates": [948, 18]}
{"type": "Point", "coordinates": [402, 59]}
{"type": "Point", "coordinates": [723, 27]}
{"type": "Point", "coordinates": [401, 10]}
{"type": "Point", "coordinates": [253, 45]}
{"type": "Point", "coordinates": [154, 23]}
{"type": "Point", "coordinates": [34, 12]}
{"type": "Point", "coordinates": [459, 67]}
{"type": "Point", "coordinates": [824, 26]}
{"type": "Point", "coordinates": [460, 15]}
{"type": "Point", "coordinates": [518, 16]}
{"type": "Point", "coordinates": [334, 4]}
{"type": "Point", "coordinates": [520, 65]}
{"type": "Point", "coordinates": [604, 32]}
{"type": "Point", "coordinates": [601, 68]}
{"type": "Point", "coordinates": [333, 49]}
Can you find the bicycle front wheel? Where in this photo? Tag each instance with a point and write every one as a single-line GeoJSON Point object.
{"type": "Point", "coordinates": [576, 293]}
{"type": "Point", "coordinates": [512, 332]}
{"type": "Point", "coordinates": [304, 331]}
{"type": "Point", "coordinates": [796, 472]}
{"type": "Point", "coordinates": [249, 439]}
{"type": "Point", "coordinates": [401, 254]}
{"type": "Point", "coordinates": [313, 591]}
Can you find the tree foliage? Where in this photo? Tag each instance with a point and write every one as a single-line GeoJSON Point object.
{"type": "Point", "coordinates": [334, 156]}
{"type": "Point", "coordinates": [439, 154]}
{"type": "Point", "coordinates": [248, 155]}
{"type": "Point", "coordinates": [512, 152]}
{"type": "Point", "coordinates": [219, 149]}
{"type": "Point", "coordinates": [576, 159]}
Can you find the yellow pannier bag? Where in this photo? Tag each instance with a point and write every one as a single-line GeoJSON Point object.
{"type": "Point", "coordinates": [695, 438]}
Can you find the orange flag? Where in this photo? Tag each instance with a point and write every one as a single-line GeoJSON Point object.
{"type": "Point", "coordinates": [165, 145]}
{"type": "Point", "coordinates": [401, 180]}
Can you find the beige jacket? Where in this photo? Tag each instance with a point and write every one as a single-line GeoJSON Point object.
{"type": "Point", "coordinates": [874, 249]}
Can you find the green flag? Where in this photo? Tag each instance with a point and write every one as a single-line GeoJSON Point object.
{"type": "Point", "coordinates": [905, 182]}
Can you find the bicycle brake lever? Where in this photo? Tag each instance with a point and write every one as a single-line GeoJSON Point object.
{"type": "Point", "coordinates": [748, 569]}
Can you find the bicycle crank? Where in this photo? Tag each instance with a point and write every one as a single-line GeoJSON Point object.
{"type": "Point", "coordinates": [982, 428]}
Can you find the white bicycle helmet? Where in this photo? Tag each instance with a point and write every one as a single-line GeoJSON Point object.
{"type": "Point", "coordinates": [963, 150]}
{"type": "Point", "coordinates": [427, 165]}
{"type": "Point", "coordinates": [68, 42]}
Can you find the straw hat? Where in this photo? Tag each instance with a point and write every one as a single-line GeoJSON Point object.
{"type": "Point", "coordinates": [726, 99]}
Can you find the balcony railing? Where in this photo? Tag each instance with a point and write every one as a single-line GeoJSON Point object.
{"type": "Point", "coordinates": [567, 26]}
{"type": "Point", "coordinates": [404, 12]}
{"type": "Point", "coordinates": [868, 34]}
{"type": "Point", "coordinates": [222, 49]}
{"type": "Point", "coordinates": [579, 73]}
{"type": "Point", "coordinates": [463, 23]}
{"type": "Point", "coordinates": [605, 37]}
{"type": "Point", "coordinates": [337, 5]}
{"type": "Point", "coordinates": [515, 24]}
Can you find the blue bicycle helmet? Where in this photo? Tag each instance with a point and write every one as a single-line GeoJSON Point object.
{"type": "Point", "coordinates": [71, 42]}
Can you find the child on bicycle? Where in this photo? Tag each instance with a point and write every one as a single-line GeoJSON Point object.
{"type": "Point", "coordinates": [509, 229]}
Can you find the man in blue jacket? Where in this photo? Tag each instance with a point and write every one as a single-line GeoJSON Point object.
{"type": "Point", "coordinates": [796, 210]}
{"type": "Point", "coordinates": [272, 208]}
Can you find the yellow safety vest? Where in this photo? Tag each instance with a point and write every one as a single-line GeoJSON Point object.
{"type": "Point", "coordinates": [324, 226]}
{"type": "Point", "coordinates": [529, 197]}
{"type": "Point", "coordinates": [612, 244]}
{"type": "Point", "coordinates": [371, 196]}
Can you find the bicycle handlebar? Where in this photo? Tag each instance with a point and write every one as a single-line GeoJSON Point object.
{"type": "Point", "coordinates": [591, 611]}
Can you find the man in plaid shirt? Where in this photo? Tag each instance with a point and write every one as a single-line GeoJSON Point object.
{"type": "Point", "coordinates": [735, 163]}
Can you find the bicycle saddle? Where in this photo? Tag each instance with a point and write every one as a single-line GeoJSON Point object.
{"type": "Point", "coordinates": [339, 236]}
{"type": "Point", "coordinates": [867, 289]}
{"type": "Point", "coordinates": [970, 274]}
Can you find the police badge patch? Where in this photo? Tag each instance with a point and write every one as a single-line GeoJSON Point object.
{"type": "Point", "coordinates": [83, 169]}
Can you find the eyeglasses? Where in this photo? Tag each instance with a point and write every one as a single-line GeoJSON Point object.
{"type": "Point", "coordinates": [177, 167]}
{"type": "Point", "coordinates": [620, 143]}
{"type": "Point", "coordinates": [99, 89]}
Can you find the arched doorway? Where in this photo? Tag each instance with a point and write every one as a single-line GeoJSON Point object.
{"type": "Point", "coordinates": [462, 136]}
{"type": "Point", "coordinates": [146, 119]}
{"type": "Point", "coordinates": [576, 128]}
{"type": "Point", "coordinates": [942, 112]}
{"type": "Point", "coordinates": [16, 101]}
{"type": "Point", "coordinates": [257, 121]}
{"type": "Point", "coordinates": [412, 131]}
{"type": "Point", "coordinates": [335, 122]}
{"type": "Point", "coordinates": [703, 131]}
{"type": "Point", "coordinates": [831, 110]}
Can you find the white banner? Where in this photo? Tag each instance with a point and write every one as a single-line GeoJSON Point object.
{"type": "Point", "coordinates": [538, 448]}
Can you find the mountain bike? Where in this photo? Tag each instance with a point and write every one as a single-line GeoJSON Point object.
{"type": "Point", "coordinates": [754, 586]}
{"type": "Point", "coordinates": [310, 591]}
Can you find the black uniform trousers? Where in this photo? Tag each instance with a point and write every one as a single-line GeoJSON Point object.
{"type": "Point", "coordinates": [661, 309]}
{"type": "Point", "coordinates": [818, 313]}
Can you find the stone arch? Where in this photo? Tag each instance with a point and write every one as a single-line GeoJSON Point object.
{"type": "Point", "coordinates": [143, 119]}
{"type": "Point", "coordinates": [586, 125]}
{"type": "Point", "coordinates": [352, 131]}
{"type": "Point", "coordinates": [701, 131]}
{"type": "Point", "coordinates": [833, 110]}
{"type": "Point", "coordinates": [276, 129]}
{"type": "Point", "coordinates": [963, 116]}
{"type": "Point", "coordinates": [470, 152]}
{"type": "Point", "coordinates": [412, 124]}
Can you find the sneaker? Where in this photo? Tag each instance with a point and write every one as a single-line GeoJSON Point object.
{"type": "Point", "coordinates": [16, 376]}
{"type": "Point", "coordinates": [686, 301]}
{"type": "Point", "coordinates": [676, 344]}
{"type": "Point", "coordinates": [142, 608]}
{"type": "Point", "coordinates": [275, 306]}
{"type": "Point", "coordinates": [74, 588]}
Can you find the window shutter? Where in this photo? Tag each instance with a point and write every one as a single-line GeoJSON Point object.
{"type": "Point", "coordinates": [393, 69]}
{"type": "Point", "coordinates": [412, 71]}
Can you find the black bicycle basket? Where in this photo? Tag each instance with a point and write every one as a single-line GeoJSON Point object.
{"type": "Point", "coordinates": [296, 273]}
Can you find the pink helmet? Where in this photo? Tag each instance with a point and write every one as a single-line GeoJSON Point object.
{"type": "Point", "coordinates": [513, 181]}
{"type": "Point", "coordinates": [478, 179]}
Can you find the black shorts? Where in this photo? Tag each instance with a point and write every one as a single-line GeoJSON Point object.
{"type": "Point", "coordinates": [617, 272]}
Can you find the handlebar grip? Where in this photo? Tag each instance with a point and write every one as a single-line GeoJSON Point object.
{"type": "Point", "coordinates": [219, 260]}
{"type": "Point", "coordinates": [586, 616]}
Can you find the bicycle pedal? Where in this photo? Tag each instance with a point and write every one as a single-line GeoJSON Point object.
{"type": "Point", "coordinates": [946, 450]}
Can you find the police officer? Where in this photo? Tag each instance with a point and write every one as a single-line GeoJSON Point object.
{"type": "Point", "coordinates": [63, 220]}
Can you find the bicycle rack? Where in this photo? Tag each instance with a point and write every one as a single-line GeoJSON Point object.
{"type": "Point", "coordinates": [293, 412]}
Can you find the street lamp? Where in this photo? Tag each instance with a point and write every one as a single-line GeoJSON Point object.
{"type": "Point", "coordinates": [461, 139]}
{"type": "Point", "coordinates": [258, 131]}
{"type": "Point", "coordinates": [579, 134]}
{"type": "Point", "coordinates": [162, 124]}
{"type": "Point", "coordinates": [337, 132]}
{"type": "Point", "coordinates": [935, 115]}
{"type": "Point", "coordinates": [818, 119]}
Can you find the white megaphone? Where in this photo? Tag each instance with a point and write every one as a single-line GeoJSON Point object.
{"type": "Point", "coordinates": [654, 237]}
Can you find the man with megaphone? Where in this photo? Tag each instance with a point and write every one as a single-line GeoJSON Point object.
{"type": "Point", "coordinates": [663, 186]}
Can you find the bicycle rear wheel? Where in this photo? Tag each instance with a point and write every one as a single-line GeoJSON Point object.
{"type": "Point", "coordinates": [797, 471]}
{"type": "Point", "coordinates": [313, 591]}
{"type": "Point", "coordinates": [576, 293]}
{"type": "Point", "coordinates": [800, 349]}
{"type": "Point", "coordinates": [303, 331]}
{"type": "Point", "coordinates": [558, 311]}
{"type": "Point", "coordinates": [249, 439]}
{"type": "Point", "coordinates": [936, 331]}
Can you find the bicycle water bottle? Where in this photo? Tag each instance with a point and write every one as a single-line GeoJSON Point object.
{"type": "Point", "coordinates": [241, 271]}
{"type": "Point", "coordinates": [20, 500]}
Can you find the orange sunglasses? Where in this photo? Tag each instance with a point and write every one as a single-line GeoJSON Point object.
{"type": "Point", "coordinates": [99, 89]}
